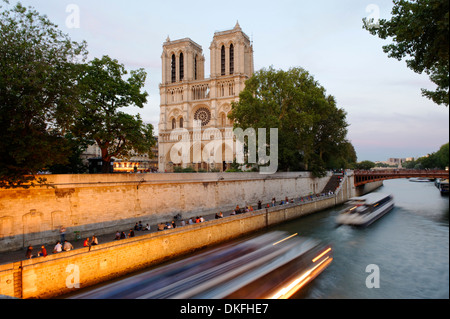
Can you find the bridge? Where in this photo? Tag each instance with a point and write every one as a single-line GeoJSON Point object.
{"type": "Point", "coordinates": [363, 177]}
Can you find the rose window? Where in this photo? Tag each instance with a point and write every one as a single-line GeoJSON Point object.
{"type": "Point", "coordinates": [203, 115]}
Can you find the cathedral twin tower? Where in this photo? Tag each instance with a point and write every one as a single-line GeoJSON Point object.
{"type": "Point", "coordinates": [191, 104]}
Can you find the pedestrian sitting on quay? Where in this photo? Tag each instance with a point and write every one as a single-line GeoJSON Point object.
{"type": "Point", "coordinates": [147, 227]}
{"type": "Point", "coordinates": [131, 233]}
{"type": "Point", "coordinates": [42, 252]}
{"type": "Point", "coordinates": [123, 235]}
{"type": "Point", "coordinates": [29, 253]}
{"type": "Point", "coordinates": [67, 246]}
{"type": "Point", "coordinates": [57, 248]}
{"type": "Point", "coordinates": [94, 240]}
{"type": "Point", "coordinates": [62, 233]}
{"type": "Point", "coordinates": [161, 227]}
{"type": "Point", "coordinates": [86, 242]}
{"type": "Point", "coordinates": [117, 235]}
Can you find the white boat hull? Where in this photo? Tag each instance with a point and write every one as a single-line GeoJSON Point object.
{"type": "Point", "coordinates": [364, 220]}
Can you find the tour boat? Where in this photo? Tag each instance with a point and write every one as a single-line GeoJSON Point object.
{"type": "Point", "coordinates": [275, 265]}
{"type": "Point", "coordinates": [443, 187]}
{"type": "Point", "coordinates": [419, 180]}
{"type": "Point", "coordinates": [364, 210]}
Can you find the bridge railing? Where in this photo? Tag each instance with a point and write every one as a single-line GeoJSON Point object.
{"type": "Point", "coordinates": [400, 171]}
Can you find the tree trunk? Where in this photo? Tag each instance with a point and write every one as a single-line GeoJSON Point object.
{"type": "Point", "coordinates": [106, 161]}
{"type": "Point", "coordinates": [106, 166]}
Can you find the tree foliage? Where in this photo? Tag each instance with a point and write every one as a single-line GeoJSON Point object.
{"type": "Point", "coordinates": [420, 32]}
{"type": "Point", "coordinates": [38, 67]}
{"type": "Point", "coordinates": [436, 160]}
{"type": "Point", "coordinates": [52, 102]}
{"type": "Point", "coordinates": [311, 128]}
{"type": "Point", "coordinates": [104, 91]}
{"type": "Point", "coordinates": [366, 165]}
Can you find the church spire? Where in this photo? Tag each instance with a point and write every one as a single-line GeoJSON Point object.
{"type": "Point", "coordinates": [237, 26]}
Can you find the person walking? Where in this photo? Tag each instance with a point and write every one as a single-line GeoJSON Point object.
{"type": "Point", "coordinates": [62, 233]}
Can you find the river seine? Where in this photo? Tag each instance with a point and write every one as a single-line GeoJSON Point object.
{"type": "Point", "coordinates": [409, 248]}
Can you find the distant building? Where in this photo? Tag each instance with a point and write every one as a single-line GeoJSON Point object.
{"type": "Point", "coordinates": [136, 164]}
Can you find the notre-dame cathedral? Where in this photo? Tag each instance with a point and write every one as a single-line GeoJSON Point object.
{"type": "Point", "coordinates": [194, 105]}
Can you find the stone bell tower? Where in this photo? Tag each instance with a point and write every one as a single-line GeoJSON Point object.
{"type": "Point", "coordinates": [231, 53]}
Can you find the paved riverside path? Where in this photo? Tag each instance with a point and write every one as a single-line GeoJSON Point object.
{"type": "Point", "coordinates": [18, 255]}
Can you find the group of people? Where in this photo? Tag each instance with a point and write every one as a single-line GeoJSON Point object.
{"type": "Point", "coordinates": [42, 253]}
{"type": "Point", "coordinates": [92, 242]}
{"type": "Point", "coordinates": [137, 227]}
{"type": "Point", "coordinates": [59, 247]}
{"type": "Point", "coordinates": [173, 224]}
{"type": "Point", "coordinates": [167, 225]}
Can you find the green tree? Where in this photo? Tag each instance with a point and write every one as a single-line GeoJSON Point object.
{"type": "Point", "coordinates": [443, 156]}
{"type": "Point", "coordinates": [420, 31]}
{"type": "Point", "coordinates": [104, 90]}
{"type": "Point", "coordinates": [439, 159]}
{"type": "Point", "coordinates": [365, 165]}
{"type": "Point", "coordinates": [38, 70]}
{"type": "Point", "coordinates": [75, 164]}
{"type": "Point", "coordinates": [310, 126]}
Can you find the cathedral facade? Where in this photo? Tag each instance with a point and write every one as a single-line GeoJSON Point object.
{"type": "Point", "coordinates": [194, 109]}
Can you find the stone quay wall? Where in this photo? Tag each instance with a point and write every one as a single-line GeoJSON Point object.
{"type": "Point", "coordinates": [101, 204]}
